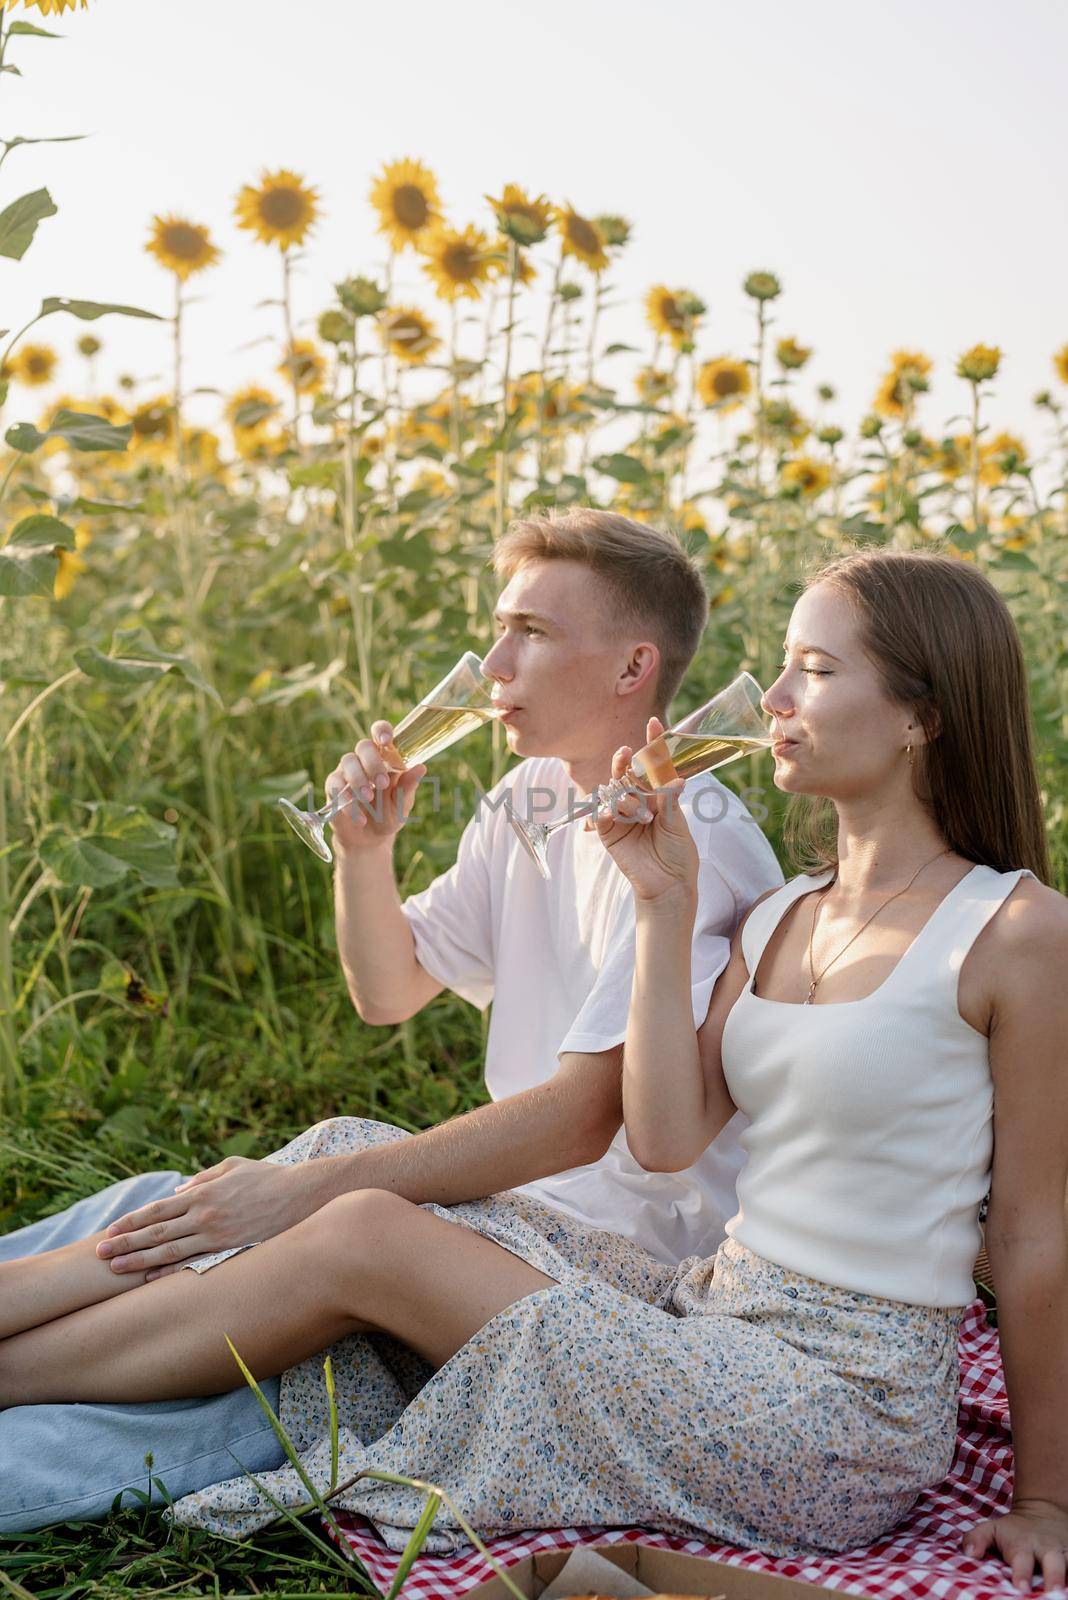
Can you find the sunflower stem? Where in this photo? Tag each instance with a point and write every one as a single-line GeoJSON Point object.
{"type": "Point", "coordinates": [975, 456]}
{"type": "Point", "coordinates": [390, 367]}
{"type": "Point", "coordinates": [501, 486]}
{"type": "Point", "coordinates": [291, 354]}
{"type": "Point", "coordinates": [11, 1081]}
{"type": "Point", "coordinates": [350, 526]}
{"type": "Point", "coordinates": [550, 320]}
{"type": "Point", "coordinates": [454, 397]}
{"type": "Point", "coordinates": [179, 444]}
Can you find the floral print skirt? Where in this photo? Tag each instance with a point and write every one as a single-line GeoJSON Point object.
{"type": "Point", "coordinates": [727, 1399]}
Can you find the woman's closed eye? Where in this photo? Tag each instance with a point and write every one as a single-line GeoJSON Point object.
{"type": "Point", "coordinates": [817, 672]}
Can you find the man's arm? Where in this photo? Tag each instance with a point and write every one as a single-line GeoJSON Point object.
{"type": "Point", "coordinates": [374, 939]}
{"type": "Point", "coordinates": [567, 1122]}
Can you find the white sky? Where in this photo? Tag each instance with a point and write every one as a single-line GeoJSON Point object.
{"type": "Point", "coordinates": [899, 163]}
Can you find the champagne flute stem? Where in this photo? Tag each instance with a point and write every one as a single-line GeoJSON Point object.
{"type": "Point", "coordinates": [328, 812]}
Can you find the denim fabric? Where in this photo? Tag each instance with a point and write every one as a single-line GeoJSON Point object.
{"type": "Point", "coordinates": [67, 1463]}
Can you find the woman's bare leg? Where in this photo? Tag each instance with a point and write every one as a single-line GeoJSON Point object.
{"type": "Point", "coordinates": [36, 1289]}
{"type": "Point", "coordinates": [368, 1262]}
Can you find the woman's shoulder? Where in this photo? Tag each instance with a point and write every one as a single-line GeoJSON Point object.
{"type": "Point", "coordinates": [1030, 930]}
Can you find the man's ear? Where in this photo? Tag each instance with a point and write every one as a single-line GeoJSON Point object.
{"type": "Point", "coordinates": [640, 669]}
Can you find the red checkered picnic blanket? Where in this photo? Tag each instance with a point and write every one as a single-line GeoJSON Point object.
{"type": "Point", "coordinates": [920, 1559]}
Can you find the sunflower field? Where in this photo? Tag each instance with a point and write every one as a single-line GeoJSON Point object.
{"type": "Point", "coordinates": [198, 620]}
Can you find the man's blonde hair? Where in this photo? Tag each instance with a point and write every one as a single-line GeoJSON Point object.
{"type": "Point", "coordinates": [652, 584]}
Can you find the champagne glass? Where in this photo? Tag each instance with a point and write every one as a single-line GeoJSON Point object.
{"type": "Point", "coordinates": [730, 725]}
{"type": "Point", "coordinates": [454, 707]}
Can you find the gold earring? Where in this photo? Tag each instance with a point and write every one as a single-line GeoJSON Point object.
{"type": "Point", "coordinates": [908, 752]}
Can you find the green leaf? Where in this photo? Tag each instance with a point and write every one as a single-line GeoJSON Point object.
{"type": "Point", "coordinates": [27, 569]}
{"type": "Point", "coordinates": [18, 222]}
{"type": "Point", "coordinates": [1013, 560]}
{"type": "Point", "coordinates": [625, 469]}
{"type": "Point", "coordinates": [79, 428]}
{"type": "Point", "coordinates": [120, 840]}
{"type": "Point", "coordinates": [28, 27]}
{"type": "Point", "coordinates": [94, 508]}
{"type": "Point", "coordinates": [89, 310]}
{"type": "Point", "coordinates": [81, 863]}
{"type": "Point", "coordinates": [55, 138]}
{"type": "Point", "coordinates": [87, 432]}
{"type": "Point", "coordinates": [110, 670]}
{"type": "Point", "coordinates": [315, 475]}
{"type": "Point", "coordinates": [273, 788]}
{"type": "Point", "coordinates": [253, 412]}
{"type": "Point", "coordinates": [136, 658]}
{"type": "Point", "coordinates": [3, 382]}
{"type": "Point", "coordinates": [40, 529]}
{"type": "Point", "coordinates": [25, 437]}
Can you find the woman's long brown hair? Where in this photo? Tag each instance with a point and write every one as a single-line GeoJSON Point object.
{"type": "Point", "coordinates": [946, 646]}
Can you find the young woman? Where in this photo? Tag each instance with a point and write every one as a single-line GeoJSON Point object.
{"type": "Point", "coordinates": [878, 1022]}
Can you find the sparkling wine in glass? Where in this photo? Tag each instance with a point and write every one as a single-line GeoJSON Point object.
{"type": "Point", "coordinates": [731, 725]}
{"type": "Point", "coordinates": [453, 708]}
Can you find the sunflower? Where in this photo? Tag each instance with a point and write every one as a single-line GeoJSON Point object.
{"type": "Point", "coordinates": [762, 286]}
{"type": "Point", "coordinates": [907, 377]}
{"type": "Point", "coordinates": [70, 565]}
{"type": "Point", "coordinates": [153, 427]}
{"type": "Point", "coordinates": [524, 218]}
{"type": "Point", "coordinates": [952, 456]}
{"type": "Point", "coordinates": [581, 238]}
{"type": "Point", "coordinates": [790, 355]}
{"type": "Point", "coordinates": [408, 334]}
{"type": "Point", "coordinates": [33, 365]}
{"type": "Point", "coordinates": [807, 476]}
{"type": "Point", "coordinates": [201, 448]}
{"type": "Point", "coordinates": [979, 363]}
{"type": "Point", "coordinates": [652, 384]}
{"type": "Point", "coordinates": [724, 383]}
{"type": "Point", "coordinates": [1060, 363]}
{"type": "Point", "coordinates": [785, 422]}
{"type": "Point", "coordinates": [1000, 457]}
{"type": "Point", "coordinates": [405, 195]}
{"type": "Point", "coordinates": [182, 247]}
{"type": "Point", "coordinates": [673, 313]}
{"type": "Point", "coordinates": [50, 8]}
{"type": "Point", "coordinates": [427, 425]}
{"type": "Point", "coordinates": [691, 519]}
{"type": "Point", "coordinates": [302, 366]}
{"type": "Point", "coordinates": [458, 260]}
{"type": "Point", "coordinates": [280, 211]}
{"type": "Point", "coordinates": [530, 394]}
{"type": "Point", "coordinates": [89, 346]}
{"type": "Point", "coordinates": [248, 410]}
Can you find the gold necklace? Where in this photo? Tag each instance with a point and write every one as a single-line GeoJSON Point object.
{"type": "Point", "coordinates": [816, 981]}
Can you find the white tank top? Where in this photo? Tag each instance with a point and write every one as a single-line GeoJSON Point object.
{"type": "Point", "coordinates": [871, 1121]}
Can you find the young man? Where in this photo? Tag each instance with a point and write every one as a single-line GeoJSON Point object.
{"type": "Point", "coordinates": [598, 620]}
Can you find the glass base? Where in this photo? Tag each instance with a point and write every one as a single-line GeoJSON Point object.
{"type": "Point", "coordinates": [534, 837]}
{"type": "Point", "coordinates": [308, 826]}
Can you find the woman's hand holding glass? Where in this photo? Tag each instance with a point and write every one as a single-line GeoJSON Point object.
{"type": "Point", "coordinates": [387, 795]}
{"type": "Point", "coordinates": [648, 836]}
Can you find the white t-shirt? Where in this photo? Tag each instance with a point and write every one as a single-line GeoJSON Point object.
{"type": "Point", "coordinates": [556, 959]}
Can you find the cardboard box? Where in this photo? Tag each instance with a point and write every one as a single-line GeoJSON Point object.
{"type": "Point", "coordinates": [663, 1571]}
